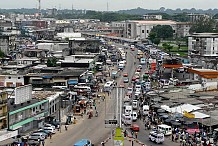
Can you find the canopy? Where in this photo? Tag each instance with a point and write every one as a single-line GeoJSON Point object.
{"type": "Point", "coordinates": [192, 130]}
{"type": "Point", "coordinates": [199, 115]}
{"type": "Point", "coordinates": [161, 111]}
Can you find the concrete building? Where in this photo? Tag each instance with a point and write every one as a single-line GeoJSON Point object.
{"type": "Point", "coordinates": [152, 17]}
{"type": "Point", "coordinates": [3, 110]}
{"type": "Point", "coordinates": [196, 17]}
{"type": "Point", "coordinates": [203, 49]}
{"type": "Point", "coordinates": [11, 80]}
{"type": "Point", "coordinates": [141, 29]}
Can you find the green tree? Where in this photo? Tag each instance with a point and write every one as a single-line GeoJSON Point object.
{"type": "Point", "coordinates": [156, 41]}
{"type": "Point", "coordinates": [2, 54]}
{"type": "Point", "coordinates": [163, 31]}
{"type": "Point", "coordinates": [152, 36]}
{"type": "Point", "coordinates": [167, 47]}
{"type": "Point", "coordinates": [204, 24]}
{"type": "Point", "coordinates": [52, 62]}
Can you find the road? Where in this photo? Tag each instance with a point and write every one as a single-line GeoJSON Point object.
{"type": "Point", "coordinates": [94, 128]}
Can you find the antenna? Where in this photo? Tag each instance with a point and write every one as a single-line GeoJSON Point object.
{"type": "Point", "coordinates": [107, 6]}
{"type": "Point", "coordinates": [39, 9]}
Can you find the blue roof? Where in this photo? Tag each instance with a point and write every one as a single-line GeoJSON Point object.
{"type": "Point", "coordinates": [72, 82]}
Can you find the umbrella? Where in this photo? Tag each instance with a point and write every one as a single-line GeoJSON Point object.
{"type": "Point", "coordinates": [168, 120]}
{"type": "Point", "coordinates": [178, 115]}
{"type": "Point", "coordinates": [164, 116]}
{"type": "Point", "coordinates": [155, 106]}
{"type": "Point", "coordinates": [161, 111]}
{"type": "Point", "coordinates": [188, 122]}
{"type": "Point", "coordinates": [176, 123]}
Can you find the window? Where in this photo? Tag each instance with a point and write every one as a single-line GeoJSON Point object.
{"type": "Point", "coordinates": [143, 31]}
{"type": "Point", "coordinates": [9, 77]}
{"type": "Point", "coordinates": [0, 108]}
{"type": "Point", "coordinates": [147, 31]}
{"type": "Point", "coordinates": [18, 77]}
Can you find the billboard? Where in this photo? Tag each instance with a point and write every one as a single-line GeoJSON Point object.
{"type": "Point", "coordinates": [23, 94]}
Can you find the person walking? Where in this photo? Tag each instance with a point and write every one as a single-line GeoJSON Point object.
{"type": "Point", "coordinates": [43, 143]}
{"type": "Point", "coordinates": [50, 135]}
{"type": "Point", "coordinates": [66, 127]}
{"type": "Point", "coordinates": [136, 134]}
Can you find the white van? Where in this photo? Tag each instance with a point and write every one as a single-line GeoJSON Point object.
{"type": "Point", "coordinates": [145, 110]}
{"type": "Point", "coordinates": [165, 129]}
{"type": "Point", "coordinates": [156, 137]}
{"type": "Point", "coordinates": [134, 104]}
{"type": "Point", "coordinates": [138, 87]}
{"type": "Point", "coordinates": [134, 115]}
{"type": "Point", "coordinates": [36, 136]}
{"type": "Point", "coordinates": [50, 129]}
{"type": "Point", "coordinates": [128, 109]}
{"type": "Point", "coordinates": [126, 119]}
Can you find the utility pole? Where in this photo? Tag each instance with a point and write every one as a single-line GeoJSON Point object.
{"type": "Point", "coordinates": [39, 9]}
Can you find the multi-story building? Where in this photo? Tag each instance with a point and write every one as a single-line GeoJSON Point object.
{"type": "Point", "coordinates": [3, 110]}
{"type": "Point", "coordinates": [11, 80]}
{"type": "Point", "coordinates": [203, 49]}
{"type": "Point", "coordinates": [141, 29]}
{"type": "Point", "coordinates": [196, 17]}
{"type": "Point", "coordinates": [152, 17]}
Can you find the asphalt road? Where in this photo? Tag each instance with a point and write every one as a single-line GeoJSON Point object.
{"type": "Point", "coordinates": [94, 128]}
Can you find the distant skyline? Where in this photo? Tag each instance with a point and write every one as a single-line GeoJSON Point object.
{"type": "Point", "coordinates": [113, 5]}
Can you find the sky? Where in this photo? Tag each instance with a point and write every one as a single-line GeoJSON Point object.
{"type": "Point", "coordinates": [113, 5]}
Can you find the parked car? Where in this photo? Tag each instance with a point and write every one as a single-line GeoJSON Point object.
{"type": "Point", "coordinates": [125, 80]}
{"type": "Point", "coordinates": [36, 136]}
{"type": "Point", "coordinates": [50, 129]}
{"type": "Point", "coordinates": [43, 133]}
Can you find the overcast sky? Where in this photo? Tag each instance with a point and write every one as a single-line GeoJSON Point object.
{"type": "Point", "coordinates": [113, 4]}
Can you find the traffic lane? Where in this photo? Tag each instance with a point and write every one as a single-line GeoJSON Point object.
{"type": "Point", "coordinates": [143, 136]}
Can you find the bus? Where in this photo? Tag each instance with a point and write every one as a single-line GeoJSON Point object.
{"type": "Point", "coordinates": [165, 129]}
{"type": "Point", "coordinates": [77, 88]}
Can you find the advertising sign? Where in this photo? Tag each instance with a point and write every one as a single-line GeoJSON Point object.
{"type": "Point", "coordinates": [23, 94]}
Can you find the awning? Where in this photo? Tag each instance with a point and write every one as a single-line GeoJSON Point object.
{"type": "Point", "coordinates": [72, 82]}
{"type": "Point", "coordinates": [46, 77]}
{"type": "Point", "coordinates": [192, 131]}
{"type": "Point", "coordinates": [199, 115]}
{"type": "Point", "coordinates": [7, 141]}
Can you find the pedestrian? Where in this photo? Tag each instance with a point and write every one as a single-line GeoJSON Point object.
{"type": "Point", "coordinates": [39, 141]}
{"type": "Point", "coordinates": [50, 135]}
{"type": "Point", "coordinates": [43, 143]}
{"type": "Point", "coordinates": [66, 127]}
{"type": "Point", "coordinates": [136, 134]}
{"type": "Point", "coordinates": [172, 137]}
{"type": "Point", "coordinates": [132, 133]}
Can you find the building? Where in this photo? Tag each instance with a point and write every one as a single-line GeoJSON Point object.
{"type": "Point", "coordinates": [3, 110]}
{"type": "Point", "coordinates": [203, 49]}
{"type": "Point", "coordinates": [141, 29]}
{"type": "Point", "coordinates": [25, 111]}
{"type": "Point", "coordinates": [11, 80]}
{"type": "Point", "coordinates": [207, 79]}
{"type": "Point", "coordinates": [196, 17]}
{"type": "Point", "coordinates": [203, 44]}
{"type": "Point", "coordinates": [152, 17]}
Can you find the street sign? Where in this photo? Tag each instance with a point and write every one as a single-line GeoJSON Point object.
{"type": "Point", "coordinates": [110, 123]}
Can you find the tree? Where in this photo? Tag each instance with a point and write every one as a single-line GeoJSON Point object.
{"type": "Point", "coordinates": [156, 41]}
{"type": "Point", "coordinates": [152, 36]}
{"type": "Point", "coordinates": [163, 31]}
{"type": "Point", "coordinates": [167, 46]}
{"type": "Point", "coordinates": [2, 54]}
{"type": "Point", "coordinates": [204, 24]}
{"type": "Point", "coordinates": [52, 62]}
